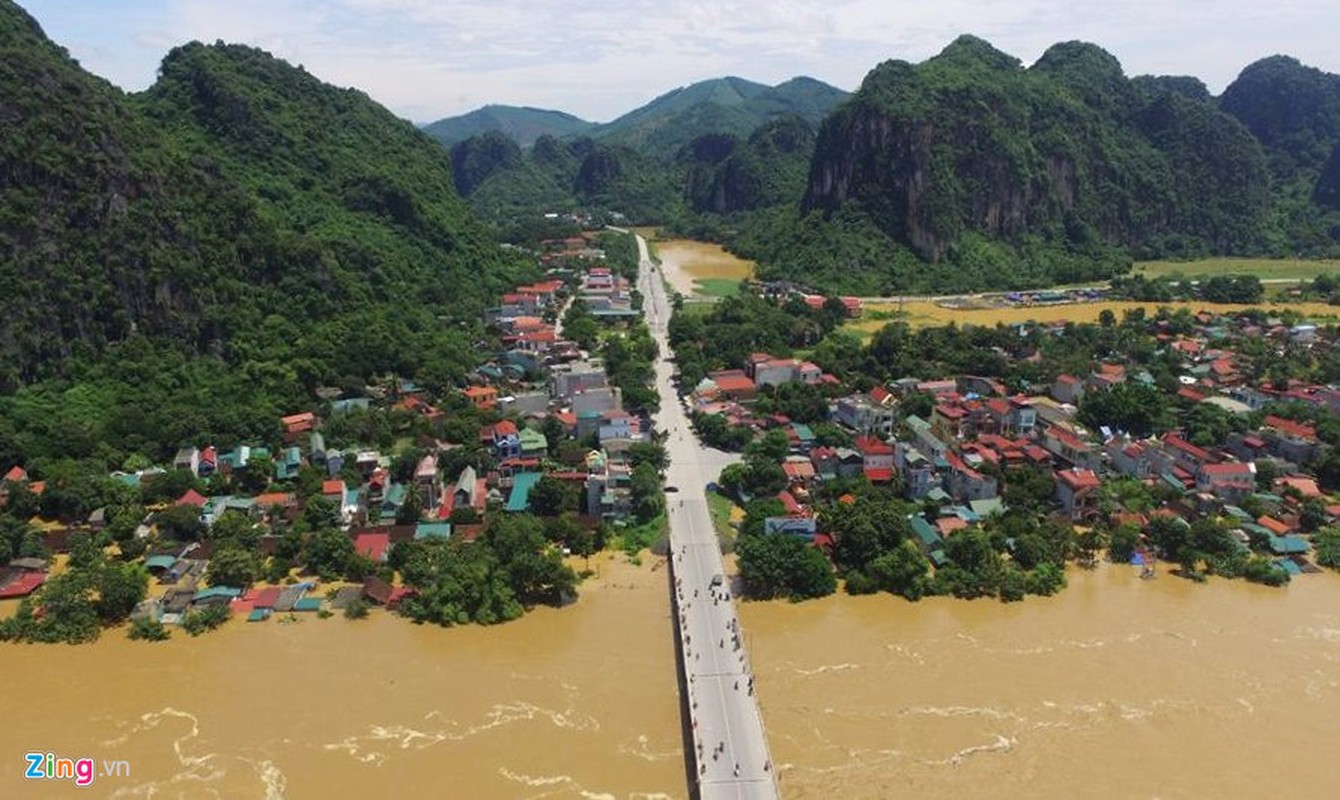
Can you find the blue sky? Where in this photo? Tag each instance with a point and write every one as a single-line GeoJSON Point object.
{"type": "Point", "coordinates": [426, 59]}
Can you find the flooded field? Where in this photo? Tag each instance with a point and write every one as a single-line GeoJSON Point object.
{"type": "Point", "coordinates": [1116, 688]}
{"type": "Point", "coordinates": [701, 268]}
{"type": "Point", "coordinates": [922, 313]}
{"type": "Point", "coordinates": [564, 703]}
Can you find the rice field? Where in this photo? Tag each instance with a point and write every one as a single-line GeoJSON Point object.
{"type": "Point", "coordinates": [924, 313]}
{"type": "Point", "coordinates": [1292, 269]}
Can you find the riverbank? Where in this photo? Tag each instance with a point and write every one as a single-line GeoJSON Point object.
{"type": "Point", "coordinates": [1116, 688]}
{"type": "Point", "coordinates": [578, 701]}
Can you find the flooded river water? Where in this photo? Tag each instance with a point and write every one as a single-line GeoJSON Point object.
{"type": "Point", "coordinates": [564, 703]}
{"type": "Point", "coordinates": [1116, 688]}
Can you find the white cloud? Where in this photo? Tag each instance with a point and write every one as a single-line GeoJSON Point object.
{"type": "Point", "coordinates": [598, 58]}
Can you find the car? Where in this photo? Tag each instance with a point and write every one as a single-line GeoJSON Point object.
{"type": "Point", "coordinates": [717, 579]}
{"type": "Point", "coordinates": [672, 488]}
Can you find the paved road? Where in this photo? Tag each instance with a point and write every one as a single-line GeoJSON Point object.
{"type": "Point", "coordinates": [731, 751]}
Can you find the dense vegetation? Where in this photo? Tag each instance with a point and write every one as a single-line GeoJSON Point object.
{"type": "Point", "coordinates": [196, 259]}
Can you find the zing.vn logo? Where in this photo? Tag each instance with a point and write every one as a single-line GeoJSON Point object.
{"type": "Point", "coordinates": [46, 766]}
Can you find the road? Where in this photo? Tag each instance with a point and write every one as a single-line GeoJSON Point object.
{"type": "Point", "coordinates": [731, 758]}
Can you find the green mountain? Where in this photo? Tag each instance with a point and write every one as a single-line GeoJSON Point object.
{"type": "Point", "coordinates": [725, 174]}
{"type": "Point", "coordinates": [734, 106]}
{"type": "Point", "coordinates": [521, 124]}
{"type": "Point", "coordinates": [503, 182]}
{"type": "Point", "coordinates": [185, 263]}
{"type": "Point", "coordinates": [1294, 111]}
{"type": "Point", "coordinates": [969, 171]}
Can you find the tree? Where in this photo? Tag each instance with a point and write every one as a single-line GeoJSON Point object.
{"type": "Point", "coordinates": [902, 570]}
{"type": "Point", "coordinates": [1327, 543]}
{"type": "Point", "coordinates": [231, 566]}
{"type": "Point", "coordinates": [84, 553]}
{"type": "Point", "coordinates": [180, 523]}
{"type": "Point", "coordinates": [121, 587]}
{"type": "Point", "coordinates": [783, 565]}
{"type": "Point", "coordinates": [649, 453]}
{"type": "Point", "coordinates": [1121, 546]}
{"type": "Point", "coordinates": [411, 510]}
{"type": "Point", "coordinates": [551, 497]}
{"type": "Point", "coordinates": [329, 553]}
{"type": "Point", "coordinates": [1133, 407]}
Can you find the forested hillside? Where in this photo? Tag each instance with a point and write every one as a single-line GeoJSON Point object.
{"type": "Point", "coordinates": [969, 171]}
{"type": "Point", "coordinates": [186, 263]}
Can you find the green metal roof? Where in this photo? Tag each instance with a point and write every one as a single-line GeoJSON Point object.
{"type": "Point", "coordinates": [522, 483]}
{"type": "Point", "coordinates": [926, 532]}
{"type": "Point", "coordinates": [308, 604]}
{"type": "Point", "coordinates": [1288, 545]}
{"type": "Point", "coordinates": [160, 562]}
{"type": "Point", "coordinates": [432, 530]}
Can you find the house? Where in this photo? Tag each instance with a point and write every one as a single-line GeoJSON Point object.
{"type": "Point", "coordinates": [428, 481]}
{"type": "Point", "coordinates": [864, 415]}
{"type": "Point", "coordinates": [1185, 454]}
{"type": "Point", "coordinates": [296, 424]}
{"type": "Point", "coordinates": [825, 462]}
{"type": "Point", "coordinates": [1292, 441]}
{"type": "Point", "coordinates": [924, 438]}
{"type": "Point", "coordinates": [615, 425]}
{"type": "Point", "coordinates": [1077, 489]}
{"type": "Point", "coordinates": [1129, 457]}
{"type": "Point", "coordinates": [1065, 444]}
{"type": "Point", "coordinates": [16, 474]}
{"type": "Point", "coordinates": [850, 463]}
{"type": "Point", "coordinates": [191, 498]}
{"type": "Point", "coordinates": [188, 459]}
{"type": "Point", "coordinates": [209, 462]}
{"type": "Point", "coordinates": [482, 397]}
{"type": "Point", "coordinates": [289, 464]}
{"type": "Point", "coordinates": [928, 536]}
{"type": "Point", "coordinates": [917, 471]}
{"type": "Point", "coordinates": [533, 443]}
{"type": "Point", "coordinates": [522, 483]}
{"type": "Point", "coordinates": [1067, 389]}
{"type": "Point", "coordinates": [1106, 376]}
{"type": "Point", "coordinates": [505, 439]}
{"type": "Point", "coordinates": [393, 499]}
{"type": "Point", "coordinates": [734, 384]}
{"type": "Point", "coordinates": [1231, 482]}
{"type": "Point", "coordinates": [876, 458]}
{"type": "Point", "coordinates": [798, 470]}
{"type": "Point", "coordinates": [372, 545]}
{"type": "Point", "coordinates": [964, 483]}
{"type": "Point", "coordinates": [316, 450]}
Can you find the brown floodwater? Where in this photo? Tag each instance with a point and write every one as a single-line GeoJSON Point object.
{"type": "Point", "coordinates": [1116, 688]}
{"type": "Point", "coordinates": [577, 702]}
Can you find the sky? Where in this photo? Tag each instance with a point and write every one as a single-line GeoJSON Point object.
{"type": "Point", "coordinates": [428, 59]}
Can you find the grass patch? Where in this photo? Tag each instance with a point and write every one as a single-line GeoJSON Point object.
{"type": "Point", "coordinates": [636, 538]}
{"type": "Point", "coordinates": [720, 510]}
{"type": "Point", "coordinates": [717, 287]}
{"type": "Point", "coordinates": [1264, 268]}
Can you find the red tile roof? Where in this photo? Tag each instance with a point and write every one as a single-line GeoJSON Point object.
{"type": "Point", "coordinates": [870, 446]}
{"type": "Point", "coordinates": [1273, 525]}
{"type": "Point", "coordinates": [297, 423]}
{"type": "Point", "coordinates": [728, 382]}
{"type": "Point", "coordinates": [372, 545]}
{"type": "Point", "coordinates": [879, 474]}
{"type": "Point", "coordinates": [1235, 469]}
{"type": "Point", "coordinates": [1078, 479]}
{"type": "Point", "coordinates": [192, 498]}
{"type": "Point", "coordinates": [1291, 428]}
{"type": "Point", "coordinates": [16, 474]}
{"type": "Point", "coordinates": [333, 486]}
{"type": "Point", "coordinates": [505, 428]}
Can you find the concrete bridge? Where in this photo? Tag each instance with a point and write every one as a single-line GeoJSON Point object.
{"type": "Point", "coordinates": [728, 755]}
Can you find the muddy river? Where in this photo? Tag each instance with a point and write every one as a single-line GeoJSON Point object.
{"type": "Point", "coordinates": [1117, 688]}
